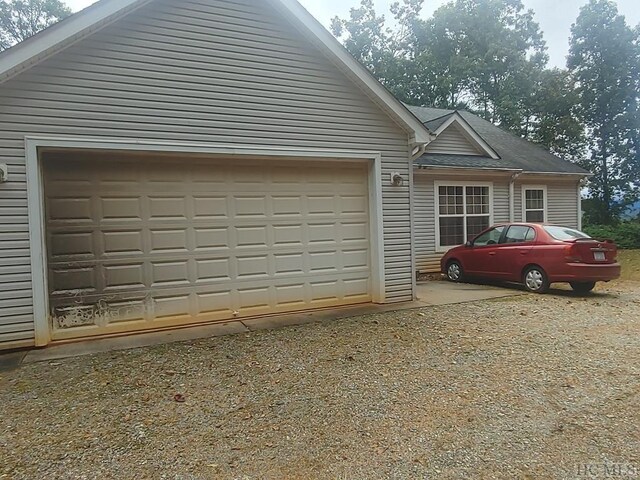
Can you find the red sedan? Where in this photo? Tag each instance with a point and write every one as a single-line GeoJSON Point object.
{"type": "Point", "coordinates": [535, 255]}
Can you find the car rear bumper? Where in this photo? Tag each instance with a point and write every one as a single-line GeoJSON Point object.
{"type": "Point", "coordinates": [584, 272]}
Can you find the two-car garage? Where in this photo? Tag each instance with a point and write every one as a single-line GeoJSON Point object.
{"type": "Point", "coordinates": [138, 241]}
{"type": "Point", "coordinates": [173, 163]}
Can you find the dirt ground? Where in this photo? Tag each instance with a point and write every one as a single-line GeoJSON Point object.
{"type": "Point", "coordinates": [525, 387]}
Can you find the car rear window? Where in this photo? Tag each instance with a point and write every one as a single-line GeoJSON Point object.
{"type": "Point", "coordinates": [565, 233]}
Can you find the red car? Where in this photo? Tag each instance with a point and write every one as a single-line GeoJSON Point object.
{"type": "Point", "coordinates": [535, 255]}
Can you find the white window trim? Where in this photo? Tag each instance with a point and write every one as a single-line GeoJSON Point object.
{"type": "Point", "coordinates": [436, 188]}
{"type": "Point", "coordinates": [523, 212]}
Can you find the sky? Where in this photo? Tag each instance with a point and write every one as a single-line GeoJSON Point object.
{"type": "Point", "coordinates": [554, 16]}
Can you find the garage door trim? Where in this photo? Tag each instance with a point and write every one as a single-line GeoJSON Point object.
{"type": "Point", "coordinates": [35, 199]}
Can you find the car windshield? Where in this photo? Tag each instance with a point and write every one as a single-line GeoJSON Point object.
{"type": "Point", "coordinates": [565, 233]}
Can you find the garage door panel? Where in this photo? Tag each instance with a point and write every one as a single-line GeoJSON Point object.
{"type": "Point", "coordinates": [120, 209]}
{"type": "Point", "coordinates": [73, 281]}
{"type": "Point", "coordinates": [288, 263]}
{"type": "Point", "coordinates": [140, 244]}
{"type": "Point", "coordinates": [72, 243]}
{"type": "Point", "coordinates": [213, 270]}
{"type": "Point", "coordinates": [172, 240]}
{"type": "Point", "coordinates": [128, 275]}
{"type": "Point", "coordinates": [207, 238]}
{"type": "Point", "coordinates": [208, 207]}
{"type": "Point", "coordinates": [65, 209]}
{"type": "Point", "coordinates": [214, 303]}
{"type": "Point", "coordinates": [119, 242]}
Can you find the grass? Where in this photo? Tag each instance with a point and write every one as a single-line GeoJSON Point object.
{"type": "Point", "coordinates": [630, 261]}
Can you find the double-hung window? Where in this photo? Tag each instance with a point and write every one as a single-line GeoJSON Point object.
{"type": "Point", "coordinates": [534, 204]}
{"type": "Point", "coordinates": [462, 212]}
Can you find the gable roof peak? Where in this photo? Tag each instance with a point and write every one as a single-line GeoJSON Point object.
{"type": "Point", "coordinates": [79, 25]}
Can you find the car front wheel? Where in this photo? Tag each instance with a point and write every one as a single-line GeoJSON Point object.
{"type": "Point", "coordinates": [582, 287]}
{"type": "Point", "coordinates": [454, 271]}
{"type": "Point", "coordinates": [535, 280]}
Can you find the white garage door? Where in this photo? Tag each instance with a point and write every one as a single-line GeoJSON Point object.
{"type": "Point", "coordinates": [135, 243]}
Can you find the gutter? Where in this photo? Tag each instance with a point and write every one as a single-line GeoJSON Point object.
{"type": "Point", "coordinates": [483, 169]}
{"type": "Point", "coordinates": [422, 147]}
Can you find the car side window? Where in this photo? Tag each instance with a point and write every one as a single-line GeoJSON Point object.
{"type": "Point", "coordinates": [490, 237]}
{"type": "Point", "coordinates": [519, 234]}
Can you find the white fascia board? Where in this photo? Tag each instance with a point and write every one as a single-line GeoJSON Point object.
{"type": "Point", "coordinates": [470, 133]}
{"type": "Point", "coordinates": [375, 90]}
{"type": "Point", "coordinates": [63, 34]}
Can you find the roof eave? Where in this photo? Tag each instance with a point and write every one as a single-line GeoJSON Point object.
{"type": "Point", "coordinates": [57, 37]}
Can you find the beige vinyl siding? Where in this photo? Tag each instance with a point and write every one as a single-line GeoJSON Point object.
{"type": "Point", "coordinates": [221, 71]}
{"type": "Point", "coordinates": [561, 202]}
{"type": "Point", "coordinates": [427, 258]}
{"type": "Point", "coordinates": [452, 141]}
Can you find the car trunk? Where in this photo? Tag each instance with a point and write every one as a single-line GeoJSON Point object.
{"type": "Point", "coordinates": [588, 250]}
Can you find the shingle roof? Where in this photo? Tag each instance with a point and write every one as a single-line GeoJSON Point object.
{"type": "Point", "coordinates": [515, 152]}
{"type": "Point", "coordinates": [466, 161]}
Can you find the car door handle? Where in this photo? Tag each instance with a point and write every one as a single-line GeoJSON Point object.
{"type": "Point", "coordinates": [523, 252]}
{"type": "Point", "coordinates": [492, 253]}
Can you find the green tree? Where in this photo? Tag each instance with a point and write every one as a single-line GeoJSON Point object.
{"type": "Point", "coordinates": [20, 19]}
{"type": "Point", "coordinates": [487, 56]}
{"type": "Point", "coordinates": [383, 50]}
{"type": "Point", "coordinates": [604, 59]}
{"type": "Point", "coordinates": [552, 118]}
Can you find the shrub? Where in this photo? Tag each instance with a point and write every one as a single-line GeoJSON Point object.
{"type": "Point", "coordinates": [625, 234]}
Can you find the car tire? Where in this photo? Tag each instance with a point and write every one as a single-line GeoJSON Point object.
{"type": "Point", "coordinates": [454, 271]}
{"type": "Point", "coordinates": [535, 280]}
{"type": "Point", "coordinates": [582, 287]}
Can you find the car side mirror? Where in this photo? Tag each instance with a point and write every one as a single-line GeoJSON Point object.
{"type": "Point", "coordinates": [468, 244]}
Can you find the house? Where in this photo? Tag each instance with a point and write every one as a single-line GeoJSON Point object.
{"type": "Point", "coordinates": [475, 174]}
{"type": "Point", "coordinates": [171, 163]}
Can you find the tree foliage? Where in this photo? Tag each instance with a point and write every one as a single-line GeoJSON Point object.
{"type": "Point", "coordinates": [604, 59]}
{"type": "Point", "coordinates": [20, 19]}
{"type": "Point", "coordinates": [489, 56]}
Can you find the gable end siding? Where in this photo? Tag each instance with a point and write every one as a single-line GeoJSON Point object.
{"type": "Point", "coordinates": [220, 71]}
{"type": "Point", "coordinates": [452, 141]}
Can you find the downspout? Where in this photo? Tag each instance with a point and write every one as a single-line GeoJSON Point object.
{"type": "Point", "coordinates": [414, 155]}
{"type": "Point", "coordinates": [512, 192]}
{"type": "Point", "coordinates": [580, 182]}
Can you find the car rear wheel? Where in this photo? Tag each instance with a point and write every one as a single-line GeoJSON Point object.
{"type": "Point", "coordinates": [535, 280]}
{"type": "Point", "coordinates": [582, 287]}
{"type": "Point", "coordinates": [454, 271]}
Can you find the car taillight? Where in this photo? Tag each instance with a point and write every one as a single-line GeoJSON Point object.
{"type": "Point", "coordinates": [571, 254]}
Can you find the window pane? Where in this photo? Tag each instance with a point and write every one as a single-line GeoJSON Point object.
{"type": "Point", "coordinates": [535, 216]}
{"type": "Point", "coordinates": [518, 234]}
{"type": "Point", "coordinates": [450, 200]}
{"type": "Point", "coordinates": [451, 231]}
{"type": "Point", "coordinates": [490, 237]}
{"type": "Point", "coordinates": [475, 225]}
{"type": "Point", "coordinates": [477, 200]}
{"type": "Point", "coordinates": [534, 199]}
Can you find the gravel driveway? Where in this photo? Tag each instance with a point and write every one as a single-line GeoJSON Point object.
{"type": "Point", "coordinates": [524, 387]}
